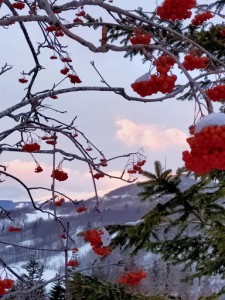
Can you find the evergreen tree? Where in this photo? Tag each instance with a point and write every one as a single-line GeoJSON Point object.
{"type": "Point", "coordinates": [34, 271]}
{"type": "Point", "coordinates": [90, 288]}
{"type": "Point", "coordinates": [58, 291]}
{"type": "Point", "coordinates": [175, 226]}
{"type": "Point", "coordinates": [34, 277]}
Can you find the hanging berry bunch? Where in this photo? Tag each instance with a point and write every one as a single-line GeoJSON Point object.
{"type": "Point", "coordinates": [207, 145]}
{"type": "Point", "coordinates": [201, 18]}
{"type": "Point", "coordinates": [59, 174]}
{"type": "Point", "coordinates": [72, 263]}
{"type": "Point", "coordinates": [81, 13]}
{"type": "Point", "coordinates": [66, 59]}
{"type": "Point", "coordinates": [14, 229]}
{"type": "Point", "coordinates": [64, 71]}
{"type": "Point", "coordinates": [192, 129]}
{"type": "Point", "coordinates": [59, 202]}
{"type": "Point", "coordinates": [75, 134]}
{"type": "Point", "coordinates": [77, 20]}
{"type": "Point", "coordinates": [217, 93]}
{"type": "Point", "coordinates": [132, 278]}
{"type": "Point", "coordinates": [136, 168]}
{"type": "Point", "coordinates": [59, 33]}
{"type": "Point", "coordinates": [6, 285]}
{"type": "Point", "coordinates": [23, 80]}
{"type": "Point", "coordinates": [102, 251]}
{"type": "Point", "coordinates": [81, 209]}
{"type": "Point", "coordinates": [75, 250]}
{"type": "Point", "coordinates": [98, 175]}
{"type": "Point", "coordinates": [51, 140]}
{"type": "Point", "coordinates": [31, 147]}
{"type": "Point", "coordinates": [103, 162]}
{"type": "Point", "coordinates": [222, 33]}
{"type": "Point", "coordinates": [53, 57]}
{"type": "Point", "coordinates": [63, 236]}
{"type": "Point", "coordinates": [161, 83]}
{"type": "Point", "coordinates": [74, 78]}
{"type": "Point", "coordinates": [192, 62]}
{"type": "Point", "coordinates": [93, 236]}
{"type": "Point", "coordinates": [51, 28]}
{"type": "Point", "coordinates": [163, 64]}
{"type": "Point", "coordinates": [88, 149]}
{"type": "Point", "coordinates": [175, 9]}
{"type": "Point", "coordinates": [38, 169]}
{"type": "Point", "coordinates": [53, 97]}
{"type": "Point", "coordinates": [18, 5]}
{"type": "Point", "coordinates": [140, 38]}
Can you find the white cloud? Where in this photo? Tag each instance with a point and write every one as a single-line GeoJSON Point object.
{"type": "Point", "coordinates": [148, 136]}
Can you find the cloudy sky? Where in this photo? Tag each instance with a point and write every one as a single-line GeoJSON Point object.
{"type": "Point", "coordinates": [115, 125]}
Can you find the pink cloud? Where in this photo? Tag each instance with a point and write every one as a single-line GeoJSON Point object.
{"type": "Point", "coordinates": [78, 186]}
{"type": "Point", "coordinates": [149, 136]}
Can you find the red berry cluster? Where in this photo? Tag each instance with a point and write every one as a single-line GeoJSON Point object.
{"type": "Point", "coordinates": [64, 71]}
{"type": "Point", "coordinates": [23, 80]}
{"type": "Point", "coordinates": [74, 78]}
{"type": "Point", "coordinates": [66, 59]}
{"type": "Point", "coordinates": [53, 97]}
{"type": "Point", "coordinates": [192, 129]}
{"type": "Point", "coordinates": [175, 9]}
{"type": "Point", "coordinates": [38, 169]}
{"type": "Point", "coordinates": [160, 83]}
{"type": "Point", "coordinates": [137, 167]}
{"type": "Point", "coordinates": [59, 202]}
{"type": "Point", "coordinates": [192, 62]}
{"type": "Point", "coordinates": [102, 251]}
{"type": "Point", "coordinates": [6, 285]}
{"type": "Point", "coordinates": [81, 209]}
{"type": "Point", "coordinates": [77, 20]}
{"type": "Point", "coordinates": [201, 18]}
{"type": "Point", "coordinates": [217, 93]}
{"type": "Point", "coordinates": [59, 33]}
{"type": "Point", "coordinates": [132, 278]}
{"type": "Point", "coordinates": [98, 175]}
{"type": "Point", "coordinates": [59, 175]}
{"type": "Point", "coordinates": [207, 150]}
{"type": "Point", "coordinates": [222, 32]}
{"type": "Point", "coordinates": [51, 140]}
{"type": "Point", "coordinates": [14, 229]}
{"type": "Point", "coordinates": [57, 11]}
{"type": "Point", "coordinates": [82, 13]}
{"type": "Point", "coordinates": [89, 149]}
{"type": "Point", "coordinates": [163, 64]}
{"type": "Point", "coordinates": [103, 162]}
{"type": "Point", "coordinates": [63, 236]}
{"type": "Point", "coordinates": [53, 57]}
{"type": "Point", "coordinates": [144, 38]}
{"type": "Point", "coordinates": [72, 263]}
{"type": "Point", "coordinates": [51, 28]}
{"type": "Point", "coordinates": [93, 236]}
{"type": "Point", "coordinates": [75, 250]}
{"type": "Point", "coordinates": [18, 5]}
{"type": "Point", "coordinates": [31, 147]}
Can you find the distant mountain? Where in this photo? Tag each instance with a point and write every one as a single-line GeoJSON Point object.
{"type": "Point", "coordinates": [116, 199]}
{"type": "Point", "coordinates": [120, 206]}
{"type": "Point", "coordinates": [7, 204]}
